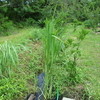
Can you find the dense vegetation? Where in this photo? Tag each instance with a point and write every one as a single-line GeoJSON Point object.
{"type": "Point", "coordinates": [20, 13]}
{"type": "Point", "coordinates": [49, 36]}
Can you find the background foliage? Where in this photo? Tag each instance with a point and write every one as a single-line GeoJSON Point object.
{"type": "Point", "coordinates": [17, 13]}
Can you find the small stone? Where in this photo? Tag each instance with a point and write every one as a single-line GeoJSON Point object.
{"type": "Point", "coordinates": [31, 97]}
{"type": "Point", "coordinates": [67, 98]}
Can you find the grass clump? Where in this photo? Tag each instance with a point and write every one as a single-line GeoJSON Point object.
{"type": "Point", "coordinates": [8, 58]}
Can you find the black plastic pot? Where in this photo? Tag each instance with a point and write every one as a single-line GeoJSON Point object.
{"type": "Point", "coordinates": [40, 85]}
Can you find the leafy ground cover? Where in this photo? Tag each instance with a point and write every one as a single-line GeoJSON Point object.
{"type": "Point", "coordinates": [30, 65]}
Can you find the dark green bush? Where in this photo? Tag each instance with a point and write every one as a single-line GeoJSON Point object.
{"type": "Point", "coordinates": [30, 21]}
{"type": "Point", "coordinates": [88, 23]}
{"type": "Point", "coordinates": [5, 25]}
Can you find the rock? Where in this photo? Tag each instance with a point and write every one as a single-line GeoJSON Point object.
{"type": "Point", "coordinates": [67, 98]}
{"type": "Point", "coordinates": [31, 97]}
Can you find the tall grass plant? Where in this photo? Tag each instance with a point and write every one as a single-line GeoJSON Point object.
{"type": "Point", "coordinates": [8, 58]}
{"type": "Point", "coordinates": [51, 51]}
